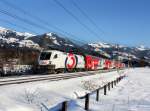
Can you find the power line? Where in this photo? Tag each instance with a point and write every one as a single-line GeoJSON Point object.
{"type": "Point", "coordinates": [29, 14]}
{"type": "Point", "coordinates": [36, 18]}
{"type": "Point", "coordinates": [76, 18]}
{"type": "Point", "coordinates": [23, 20]}
{"type": "Point", "coordinates": [16, 25]}
{"type": "Point", "coordinates": [86, 16]}
{"type": "Point", "coordinates": [89, 19]}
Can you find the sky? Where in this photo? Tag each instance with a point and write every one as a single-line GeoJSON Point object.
{"type": "Point", "coordinates": [124, 22]}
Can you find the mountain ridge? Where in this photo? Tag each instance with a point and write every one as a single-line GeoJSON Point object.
{"type": "Point", "coordinates": [47, 40]}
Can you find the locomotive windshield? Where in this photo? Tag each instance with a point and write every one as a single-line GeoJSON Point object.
{"type": "Point", "coordinates": [45, 55]}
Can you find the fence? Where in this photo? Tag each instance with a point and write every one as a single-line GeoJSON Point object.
{"type": "Point", "coordinates": [106, 88]}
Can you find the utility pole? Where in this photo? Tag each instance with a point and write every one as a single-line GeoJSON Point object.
{"type": "Point", "coordinates": [128, 61]}
{"type": "Point", "coordinates": [118, 57]}
{"type": "Point", "coordinates": [118, 52]}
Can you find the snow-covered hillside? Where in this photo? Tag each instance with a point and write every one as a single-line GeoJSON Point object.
{"type": "Point", "coordinates": [132, 94]}
{"type": "Point", "coordinates": [142, 48]}
{"type": "Point", "coordinates": [100, 45]}
{"type": "Point", "coordinates": [53, 40]}
{"type": "Point", "coordinates": [124, 52]}
{"type": "Point", "coordinates": [16, 39]}
{"type": "Point", "coordinates": [5, 31]}
{"type": "Point", "coordinates": [24, 39]}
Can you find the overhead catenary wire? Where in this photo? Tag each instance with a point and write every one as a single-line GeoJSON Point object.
{"type": "Point", "coordinates": [29, 14]}
{"type": "Point", "coordinates": [86, 16]}
{"type": "Point", "coordinates": [77, 19]}
{"type": "Point", "coordinates": [16, 7]}
{"type": "Point", "coordinates": [16, 25]}
{"type": "Point", "coordinates": [90, 20]}
{"type": "Point", "coordinates": [45, 23]}
{"type": "Point", "coordinates": [23, 19]}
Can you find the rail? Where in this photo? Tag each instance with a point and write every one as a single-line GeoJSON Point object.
{"type": "Point", "coordinates": [52, 77]}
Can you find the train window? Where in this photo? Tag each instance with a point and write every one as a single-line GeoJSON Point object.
{"type": "Point", "coordinates": [55, 56]}
{"type": "Point", "coordinates": [45, 55]}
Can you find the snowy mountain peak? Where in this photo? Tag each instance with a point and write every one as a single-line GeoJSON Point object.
{"type": "Point", "coordinates": [105, 45]}
{"type": "Point", "coordinates": [100, 45]}
{"type": "Point", "coordinates": [50, 34]}
{"type": "Point", "coordinates": [141, 48]}
{"type": "Point", "coordinates": [3, 30]}
{"type": "Point", "coordinates": [25, 34]}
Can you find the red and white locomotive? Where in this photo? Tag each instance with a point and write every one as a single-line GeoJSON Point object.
{"type": "Point", "coordinates": [58, 61]}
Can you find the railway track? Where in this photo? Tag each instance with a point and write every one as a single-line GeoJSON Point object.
{"type": "Point", "coordinates": [52, 77]}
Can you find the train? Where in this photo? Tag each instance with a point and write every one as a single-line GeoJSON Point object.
{"type": "Point", "coordinates": [55, 61]}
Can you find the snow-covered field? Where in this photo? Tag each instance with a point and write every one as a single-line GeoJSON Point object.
{"type": "Point", "coordinates": [130, 94]}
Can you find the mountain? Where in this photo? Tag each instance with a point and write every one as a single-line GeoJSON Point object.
{"type": "Point", "coordinates": [11, 38]}
{"type": "Point", "coordinates": [52, 40]}
{"type": "Point", "coordinates": [123, 52]}
{"type": "Point", "coordinates": [7, 33]}
{"type": "Point", "coordinates": [14, 39]}
{"type": "Point", "coordinates": [17, 39]}
{"type": "Point", "coordinates": [142, 48]}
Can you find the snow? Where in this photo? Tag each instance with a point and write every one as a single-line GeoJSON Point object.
{"type": "Point", "coordinates": [56, 42]}
{"type": "Point", "coordinates": [131, 94]}
{"type": "Point", "coordinates": [100, 45]}
{"type": "Point", "coordinates": [28, 43]}
{"type": "Point", "coordinates": [105, 45]}
{"type": "Point", "coordinates": [9, 40]}
{"type": "Point", "coordinates": [3, 30]}
{"type": "Point", "coordinates": [125, 55]}
{"type": "Point", "coordinates": [12, 40]}
{"type": "Point", "coordinates": [50, 34]}
{"type": "Point", "coordinates": [31, 95]}
{"type": "Point", "coordinates": [68, 45]}
{"type": "Point", "coordinates": [26, 34]}
{"type": "Point", "coordinates": [53, 38]}
{"type": "Point", "coordinates": [141, 48]}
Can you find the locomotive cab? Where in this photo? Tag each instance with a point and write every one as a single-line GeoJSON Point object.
{"type": "Point", "coordinates": [45, 60]}
{"type": "Point", "coordinates": [52, 59]}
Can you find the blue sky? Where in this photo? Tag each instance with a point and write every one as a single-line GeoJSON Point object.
{"type": "Point", "coordinates": [120, 21]}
